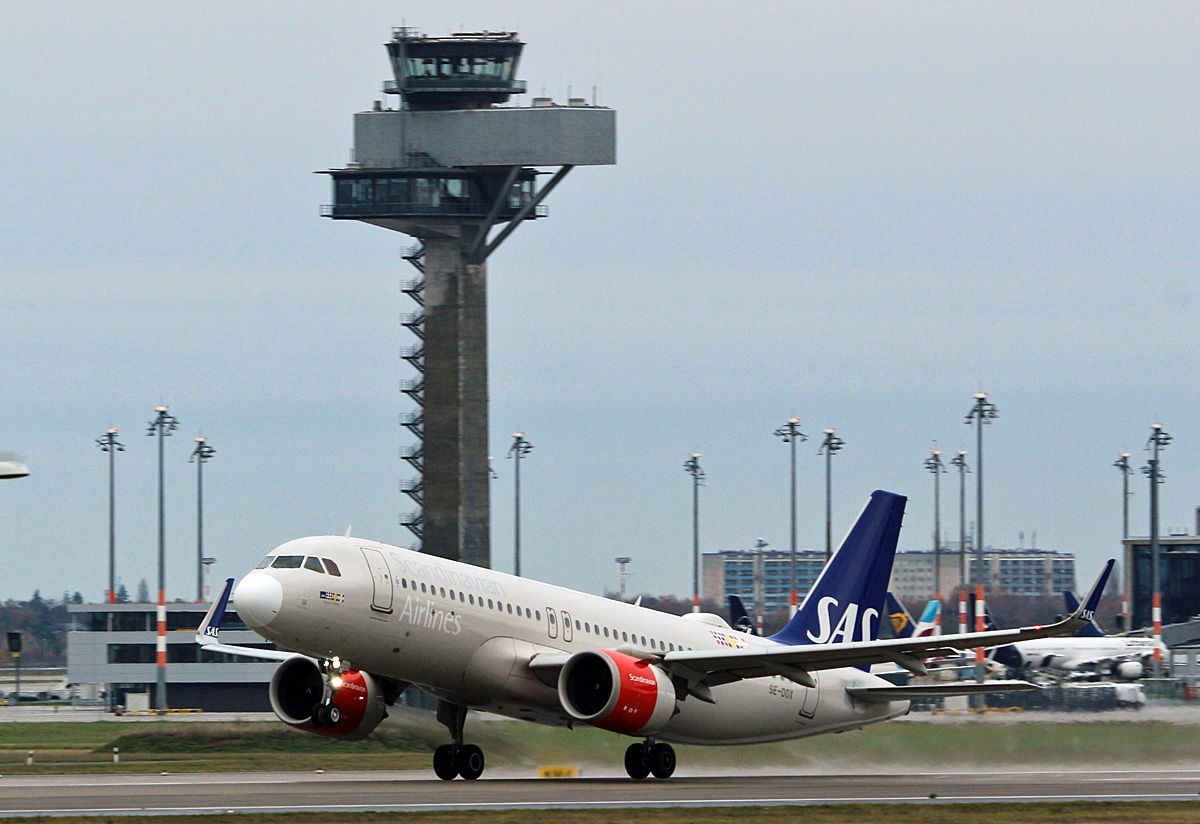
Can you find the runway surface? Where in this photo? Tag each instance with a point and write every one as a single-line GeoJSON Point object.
{"type": "Point", "coordinates": [420, 791]}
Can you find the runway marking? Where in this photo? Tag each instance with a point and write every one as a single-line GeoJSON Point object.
{"type": "Point", "coordinates": [553, 805]}
{"type": "Point", "coordinates": [307, 778]}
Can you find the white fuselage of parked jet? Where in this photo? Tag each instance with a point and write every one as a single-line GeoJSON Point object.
{"type": "Point", "coordinates": [467, 634]}
{"type": "Point", "coordinates": [1076, 654]}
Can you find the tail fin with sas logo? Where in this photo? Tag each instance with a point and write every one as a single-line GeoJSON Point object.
{"type": "Point", "coordinates": [847, 601]}
{"type": "Point", "coordinates": [1092, 629]}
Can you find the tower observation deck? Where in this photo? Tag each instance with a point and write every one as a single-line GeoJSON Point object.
{"type": "Point", "coordinates": [457, 170]}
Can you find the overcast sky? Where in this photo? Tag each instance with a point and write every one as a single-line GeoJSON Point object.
{"type": "Point", "coordinates": [857, 213]}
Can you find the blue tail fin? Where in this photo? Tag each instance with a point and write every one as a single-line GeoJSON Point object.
{"type": "Point", "coordinates": [739, 618]}
{"type": "Point", "coordinates": [1091, 630]}
{"type": "Point", "coordinates": [847, 600]}
{"type": "Point", "coordinates": [901, 622]}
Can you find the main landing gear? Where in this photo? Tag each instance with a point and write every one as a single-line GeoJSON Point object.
{"type": "Point", "coordinates": [457, 759]}
{"type": "Point", "coordinates": [649, 758]}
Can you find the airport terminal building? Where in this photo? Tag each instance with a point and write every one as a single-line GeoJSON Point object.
{"type": "Point", "coordinates": [1005, 571]}
{"type": "Point", "coordinates": [1179, 571]}
{"type": "Point", "coordinates": [1010, 571]}
{"type": "Point", "coordinates": [112, 648]}
{"type": "Point", "coordinates": [738, 572]}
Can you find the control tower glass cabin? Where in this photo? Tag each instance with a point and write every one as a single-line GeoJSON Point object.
{"type": "Point", "coordinates": [406, 165]}
{"type": "Point", "coordinates": [464, 71]}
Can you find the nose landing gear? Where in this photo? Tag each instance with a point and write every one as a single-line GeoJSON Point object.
{"type": "Point", "coordinates": [457, 759]}
{"type": "Point", "coordinates": [326, 713]}
{"type": "Point", "coordinates": [642, 760]}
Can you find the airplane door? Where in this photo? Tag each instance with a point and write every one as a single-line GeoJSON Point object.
{"type": "Point", "coordinates": [381, 580]}
{"type": "Point", "coordinates": [551, 623]}
{"type": "Point", "coordinates": [566, 624]}
{"type": "Point", "coordinates": [808, 707]}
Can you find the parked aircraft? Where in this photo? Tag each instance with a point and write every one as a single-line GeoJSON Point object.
{"type": "Point", "coordinates": [1088, 650]}
{"type": "Point", "coordinates": [362, 620]}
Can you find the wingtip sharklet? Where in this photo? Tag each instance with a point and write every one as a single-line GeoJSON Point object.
{"type": "Point", "coordinates": [210, 629]}
{"type": "Point", "coordinates": [1087, 610]}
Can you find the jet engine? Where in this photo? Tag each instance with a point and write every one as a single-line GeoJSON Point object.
{"type": "Point", "coordinates": [355, 709]}
{"type": "Point", "coordinates": [617, 692]}
{"type": "Point", "coordinates": [1129, 670]}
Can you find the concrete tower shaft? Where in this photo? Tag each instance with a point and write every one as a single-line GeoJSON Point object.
{"type": "Point", "coordinates": [455, 475]}
{"type": "Point", "coordinates": [448, 166]}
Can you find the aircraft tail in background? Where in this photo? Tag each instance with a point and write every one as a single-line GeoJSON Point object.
{"type": "Point", "coordinates": [1092, 630]}
{"type": "Point", "coordinates": [739, 618]}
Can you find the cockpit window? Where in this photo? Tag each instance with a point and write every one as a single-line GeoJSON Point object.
{"type": "Point", "coordinates": [314, 564]}
{"type": "Point", "coordinates": [332, 568]}
{"type": "Point", "coordinates": [287, 561]}
{"type": "Point", "coordinates": [265, 562]}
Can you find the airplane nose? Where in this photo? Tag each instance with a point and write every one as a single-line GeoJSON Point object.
{"type": "Point", "coordinates": [257, 599]}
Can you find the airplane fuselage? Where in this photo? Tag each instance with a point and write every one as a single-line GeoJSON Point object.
{"type": "Point", "coordinates": [467, 634]}
{"type": "Point", "coordinates": [1078, 654]}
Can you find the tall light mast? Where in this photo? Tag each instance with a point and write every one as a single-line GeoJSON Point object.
{"type": "Point", "coordinates": [200, 456]}
{"type": "Point", "coordinates": [519, 449]}
{"type": "Point", "coordinates": [934, 464]}
{"type": "Point", "coordinates": [829, 447]}
{"type": "Point", "coordinates": [1122, 463]}
{"type": "Point", "coordinates": [960, 462]}
{"type": "Point", "coordinates": [692, 467]}
{"type": "Point", "coordinates": [1157, 441]}
{"type": "Point", "coordinates": [791, 435]}
{"type": "Point", "coordinates": [163, 425]}
{"type": "Point", "coordinates": [108, 443]}
{"type": "Point", "coordinates": [982, 414]}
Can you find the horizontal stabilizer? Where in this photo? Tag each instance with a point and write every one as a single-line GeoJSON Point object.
{"type": "Point", "coordinates": [882, 695]}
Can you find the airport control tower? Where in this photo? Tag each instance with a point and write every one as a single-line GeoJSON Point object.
{"type": "Point", "coordinates": [458, 170]}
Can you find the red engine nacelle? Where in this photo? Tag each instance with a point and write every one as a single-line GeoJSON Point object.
{"type": "Point", "coordinates": [616, 692]}
{"type": "Point", "coordinates": [297, 689]}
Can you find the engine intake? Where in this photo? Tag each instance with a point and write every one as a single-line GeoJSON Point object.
{"type": "Point", "coordinates": [297, 689]}
{"type": "Point", "coordinates": [617, 692]}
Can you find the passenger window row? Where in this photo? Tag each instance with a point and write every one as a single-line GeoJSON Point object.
{"type": "Point", "coordinates": [652, 643]}
{"type": "Point", "coordinates": [469, 598]}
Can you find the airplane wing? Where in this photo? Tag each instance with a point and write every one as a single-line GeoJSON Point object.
{"type": "Point", "coordinates": [715, 667]}
{"type": "Point", "coordinates": [208, 635]}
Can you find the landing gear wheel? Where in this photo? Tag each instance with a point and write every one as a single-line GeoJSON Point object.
{"type": "Point", "coordinates": [469, 761]}
{"type": "Point", "coordinates": [662, 760]}
{"type": "Point", "coordinates": [324, 715]}
{"type": "Point", "coordinates": [444, 765]}
{"type": "Point", "coordinates": [636, 763]}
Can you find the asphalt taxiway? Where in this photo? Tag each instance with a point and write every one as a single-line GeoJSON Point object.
{"type": "Point", "coordinates": [264, 792]}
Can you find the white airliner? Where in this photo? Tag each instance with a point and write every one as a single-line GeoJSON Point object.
{"type": "Point", "coordinates": [364, 620]}
{"type": "Point", "coordinates": [1088, 650]}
